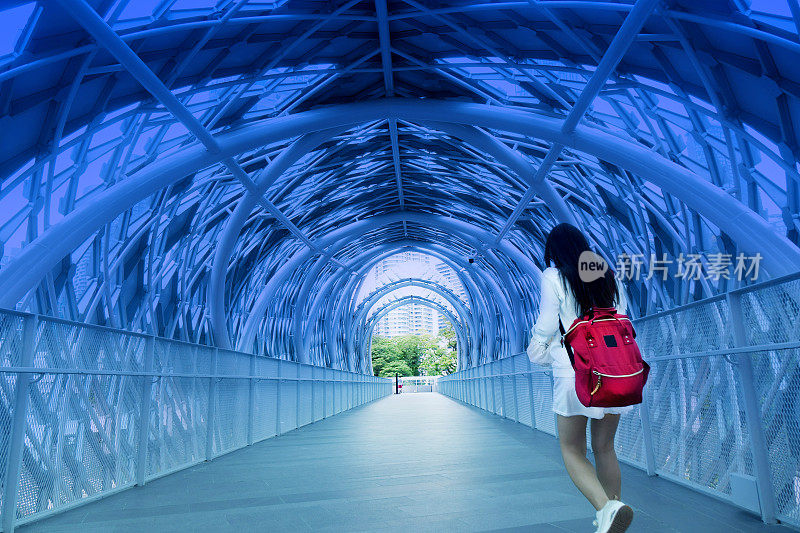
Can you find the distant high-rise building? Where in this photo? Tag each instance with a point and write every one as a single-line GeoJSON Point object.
{"type": "Point", "coordinates": [413, 318]}
{"type": "Point", "coordinates": [410, 319]}
{"type": "Point", "coordinates": [449, 278]}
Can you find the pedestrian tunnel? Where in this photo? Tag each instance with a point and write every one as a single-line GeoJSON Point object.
{"type": "Point", "coordinates": [193, 193]}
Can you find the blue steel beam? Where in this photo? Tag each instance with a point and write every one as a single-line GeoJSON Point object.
{"type": "Point", "coordinates": [176, 27]}
{"type": "Point", "coordinates": [751, 232]}
{"type": "Point", "coordinates": [385, 45]}
{"type": "Point", "coordinates": [367, 337]}
{"type": "Point", "coordinates": [347, 235]}
{"type": "Point", "coordinates": [326, 307]}
{"type": "Point", "coordinates": [300, 336]}
{"type": "Point", "coordinates": [479, 304]}
{"type": "Point", "coordinates": [516, 334]}
{"type": "Point", "coordinates": [467, 324]}
{"type": "Point", "coordinates": [479, 139]}
{"type": "Point", "coordinates": [368, 258]}
{"type": "Point", "coordinates": [384, 39]}
{"type": "Point", "coordinates": [464, 230]}
{"type": "Point", "coordinates": [234, 224]}
{"type": "Point", "coordinates": [540, 87]}
{"type": "Point", "coordinates": [342, 320]}
{"type": "Point", "coordinates": [367, 305]}
{"type": "Point", "coordinates": [470, 328]}
{"type": "Point", "coordinates": [87, 17]}
{"type": "Point", "coordinates": [616, 50]}
{"type": "Point", "coordinates": [516, 162]}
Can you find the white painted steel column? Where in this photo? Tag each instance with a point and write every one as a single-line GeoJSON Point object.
{"type": "Point", "coordinates": [758, 441]}
{"type": "Point", "coordinates": [144, 411]}
{"type": "Point", "coordinates": [18, 426]}
{"type": "Point", "coordinates": [212, 400]}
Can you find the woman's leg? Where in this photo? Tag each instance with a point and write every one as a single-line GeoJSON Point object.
{"type": "Point", "coordinates": [572, 438]}
{"type": "Point", "coordinates": [605, 458]}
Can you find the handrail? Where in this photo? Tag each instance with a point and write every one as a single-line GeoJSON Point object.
{"type": "Point", "coordinates": [142, 335]}
{"type": "Point", "coordinates": [722, 296]}
{"type": "Point", "coordinates": [142, 413]}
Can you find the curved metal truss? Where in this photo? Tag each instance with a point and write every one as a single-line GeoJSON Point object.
{"type": "Point", "coordinates": [457, 321]}
{"type": "Point", "coordinates": [227, 171]}
{"type": "Point", "coordinates": [385, 298]}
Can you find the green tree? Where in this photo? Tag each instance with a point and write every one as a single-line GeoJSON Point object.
{"type": "Point", "coordinates": [395, 367]}
{"type": "Point", "coordinates": [408, 354]}
{"type": "Point", "coordinates": [440, 358]}
{"type": "Point", "coordinates": [411, 349]}
{"type": "Point", "coordinates": [438, 361]}
{"type": "Point", "coordinates": [384, 352]}
{"type": "Point", "coordinates": [450, 334]}
{"type": "Point", "coordinates": [401, 355]}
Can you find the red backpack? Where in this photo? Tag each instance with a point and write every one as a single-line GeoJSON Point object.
{"type": "Point", "coordinates": [609, 369]}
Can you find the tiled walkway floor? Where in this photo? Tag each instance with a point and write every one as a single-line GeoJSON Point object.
{"type": "Point", "coordinates": [415, 462]}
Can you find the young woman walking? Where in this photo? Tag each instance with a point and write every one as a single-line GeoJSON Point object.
{"type": "Point", "coordinates": [564, 297]}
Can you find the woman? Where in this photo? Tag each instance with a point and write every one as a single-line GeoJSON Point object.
{"type": "Point", "coordinates": [564, 297]}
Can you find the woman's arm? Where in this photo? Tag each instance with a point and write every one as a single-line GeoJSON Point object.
{"type": "Point", "coordinates": [546, 329]}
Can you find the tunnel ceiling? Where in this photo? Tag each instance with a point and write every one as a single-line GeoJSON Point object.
{"type": "Point", "coordinates": [368, 128]}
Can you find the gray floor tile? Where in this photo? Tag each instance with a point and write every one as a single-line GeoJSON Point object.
{"type": "Point", "coordinates": [409, 463]}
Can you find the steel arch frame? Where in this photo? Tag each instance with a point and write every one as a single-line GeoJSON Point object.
{"type": "Point", "coordinates": [475, 286]}
{"type": "Point", "coordinates": [342, 320]}
{"type": "Point", "coordinates": [288, 157]}
{"type": "Point", "coordinates": [466, 231]}
{"type": "Point", "coordinates": [339, 323]}
{"type": "Point", "coordinates": [748, 229]}
{"type": "Point", "coordinates": [370, 325]}
{"type": "Point", "coordinates": [363, 315]}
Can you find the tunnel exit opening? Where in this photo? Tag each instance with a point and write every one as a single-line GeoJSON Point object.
{"type": "Point", "coordinates": [413, 313]}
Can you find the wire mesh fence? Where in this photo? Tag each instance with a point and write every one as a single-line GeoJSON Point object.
{"type": "Point", "coordinates": [721, 410]}
{"type": "Point", "coordinates": [86, 411]}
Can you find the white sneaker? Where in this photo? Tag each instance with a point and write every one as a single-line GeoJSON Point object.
{"type": "Point", "coordinates": [614, 517]}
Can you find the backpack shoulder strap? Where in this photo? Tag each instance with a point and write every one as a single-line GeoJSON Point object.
{"type": "Point", "coordinates": [564, 342]}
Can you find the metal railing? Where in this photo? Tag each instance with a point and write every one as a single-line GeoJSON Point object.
{"type": "Point", "coordinates": [721, 412]}
{"type": "Point", "coordinates": [418, 383]}
{"type": "Point", "coordinates": [86, 411]}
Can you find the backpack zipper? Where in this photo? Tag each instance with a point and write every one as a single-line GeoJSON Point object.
{"type": "Point", "coordinates": [590, 321]}
{"type": "Point", "coordinates": [600, 377]}
{"type": "Point", "coordinates": [617, 375]}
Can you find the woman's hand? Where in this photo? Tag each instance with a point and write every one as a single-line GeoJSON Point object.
{"type": "Point", "coordinates": [539, 348]}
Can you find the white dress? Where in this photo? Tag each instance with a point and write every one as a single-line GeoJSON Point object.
{"type": "Point", "coordinates": [545, 345]}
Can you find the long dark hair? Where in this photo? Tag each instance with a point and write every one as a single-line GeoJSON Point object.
{"type": "Point", "coordinates": [563, 247]}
